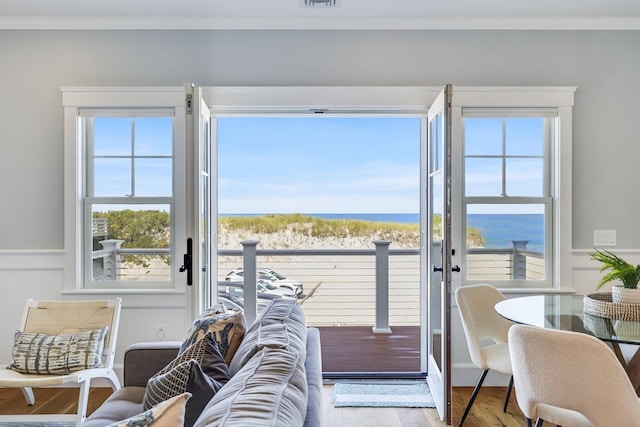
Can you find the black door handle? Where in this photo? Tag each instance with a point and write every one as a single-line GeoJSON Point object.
{"type": "Point", "coordinates": [187, 262]}
{"type": "Point", "coordinates": [455, 268]}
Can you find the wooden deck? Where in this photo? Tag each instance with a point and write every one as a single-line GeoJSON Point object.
{"type": "Point", "coordinates": [358, 349]}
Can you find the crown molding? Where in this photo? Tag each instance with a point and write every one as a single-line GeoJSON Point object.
{"type": "Point", "coordinates": [204, 23]}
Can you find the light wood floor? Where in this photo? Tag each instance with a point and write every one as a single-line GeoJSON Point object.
{"type": "Point", "coordinates": [486, 411]}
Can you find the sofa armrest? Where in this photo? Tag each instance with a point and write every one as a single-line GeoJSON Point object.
{"type": "Point", "coordinates": [313, 366]}
{"type": "Point", "coordinates": [143, 360]}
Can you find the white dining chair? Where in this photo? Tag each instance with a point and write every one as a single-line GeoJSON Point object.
{"type": "Point", "coordinates": [570, 379]}
{"type": "Point", "coordinates": [486, 333]}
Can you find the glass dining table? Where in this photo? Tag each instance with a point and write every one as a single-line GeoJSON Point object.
{"type": "Point", "coordinates": [566, 312]}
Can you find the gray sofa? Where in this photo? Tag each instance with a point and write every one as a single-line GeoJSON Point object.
{"type": "Point", "coordinates": [275, 340]}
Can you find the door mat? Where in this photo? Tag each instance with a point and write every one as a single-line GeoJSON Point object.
{"type": "Point", "coordinates": [382, 395]}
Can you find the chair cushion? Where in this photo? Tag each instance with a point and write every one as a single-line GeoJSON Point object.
{"type": "Point", "coordinates": [169, 413]}
{"type": "Point", "coordinates": [35, 353]}
{"type": "Point", "coordinates": [271, 390]}
{"type": "Point", "coordinates": [280, 325]}
{"type": "Point", "coordinates": [229, 328]}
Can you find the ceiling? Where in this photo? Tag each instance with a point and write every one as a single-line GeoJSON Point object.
{"type": "Point", "coordinates": [348, 14]}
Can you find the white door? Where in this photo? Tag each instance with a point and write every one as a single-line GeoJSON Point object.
{"type": "Point", "coordinates": [204, 216]}
{"type": "Point", "coordinates": [438, 247]}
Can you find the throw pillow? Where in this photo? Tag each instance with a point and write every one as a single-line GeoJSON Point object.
{"type": "Point", "coordinates": [206, 351]}
{"type": "Point", "coordinates": [169, 413]}
{"type": "Point", "coordinates": [200, 370]}
{"type": "Point", "coordinates": [228, 327]}
{"type": "Point", "coordinates": [57, 354]}
{"type": "Point", "coordinates": [271, 390]}
{"type": "Point", "coordinates": [185, 377]}
{"type": "Point", "coordinates": [280, 325]}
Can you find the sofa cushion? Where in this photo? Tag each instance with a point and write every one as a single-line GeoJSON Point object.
{"type": "Point", "coordinates": [123, 403]}
{"type": "Point", "coordinates": [229, 328]}
{"type": "Point", "coordinates": [271, 390]}
{"type": "Point", "coordinates": [280, 325]}
{"type": "Point", "coordinates": [169, 413]}
{"type": "Point", "coordinates": [57, 354]}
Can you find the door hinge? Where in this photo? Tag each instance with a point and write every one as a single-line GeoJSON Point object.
{"type": "Point", "coordinates": [189, 103]}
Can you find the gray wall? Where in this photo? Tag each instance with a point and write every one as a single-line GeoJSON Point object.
{"type": "Point", "coordinates": [604, 65]}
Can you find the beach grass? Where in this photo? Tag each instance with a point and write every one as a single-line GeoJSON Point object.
{"type": "Point", "coordinates": [328, 228]}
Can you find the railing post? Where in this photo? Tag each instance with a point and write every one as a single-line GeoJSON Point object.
{"type": "Point", "coordinates": [249, 248]}
{"type": "Point", "coordinates": [111, 262]}
{"type": "Point", "coordinates": [519, 260]}
{"type": "Point", "coordinates": [382, 287]}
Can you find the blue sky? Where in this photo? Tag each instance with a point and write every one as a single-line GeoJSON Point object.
{"type": "Point", "coordinates": [318, 165]}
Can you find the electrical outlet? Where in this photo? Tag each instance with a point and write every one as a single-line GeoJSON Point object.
{"type": "Point", "coordinates": [161, 332]}
{"type": "Point", "coordinates": [604, 238]}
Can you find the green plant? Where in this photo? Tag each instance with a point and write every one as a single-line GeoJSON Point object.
{"type": "Point", "coordinates": [620, 269]}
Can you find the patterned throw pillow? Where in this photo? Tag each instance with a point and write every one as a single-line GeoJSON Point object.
{"type": "Point", "coordinates": [57, 354]}
{"type": "Point", "coordinates": [200, 370]}
{"type": "Point", "coordinates": [169, 413]}
{"type": "Point", "coordinates": [228, 327]}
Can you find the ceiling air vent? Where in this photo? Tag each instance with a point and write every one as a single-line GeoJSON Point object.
{"type": "Point", "coordinates": [320, 3]}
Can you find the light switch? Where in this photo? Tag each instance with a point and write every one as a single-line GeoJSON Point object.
{"type": "Point", "coordinates": [604, 238]}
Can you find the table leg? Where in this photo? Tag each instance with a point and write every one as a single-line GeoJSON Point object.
{"type": "Point", "coordinates": [632, 366]}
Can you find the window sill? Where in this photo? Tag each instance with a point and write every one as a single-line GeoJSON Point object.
{"type": "Point", "coordinates": [122, 291]}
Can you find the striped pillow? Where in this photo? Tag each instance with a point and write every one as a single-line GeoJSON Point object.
{"type": "Point", "coordinates": [57, 354]}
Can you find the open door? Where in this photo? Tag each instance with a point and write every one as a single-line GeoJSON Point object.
{"type": "Point", "coordinates": [439, 251]}
{"type": "Point", "coordinates": [204, 217]}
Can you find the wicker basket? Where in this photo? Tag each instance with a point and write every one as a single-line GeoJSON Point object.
{"type": "Point", "coordinates": [601, 305]}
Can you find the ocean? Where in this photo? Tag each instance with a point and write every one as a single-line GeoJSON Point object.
{"type": "Point", "coordinates": [497, 229]}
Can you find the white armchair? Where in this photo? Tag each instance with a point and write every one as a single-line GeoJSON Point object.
{"type": "Point", "coordinates": [75, 331]}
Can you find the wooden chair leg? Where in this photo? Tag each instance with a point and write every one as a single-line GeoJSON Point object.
{"type": "Point", "coordinates": [473, 396]}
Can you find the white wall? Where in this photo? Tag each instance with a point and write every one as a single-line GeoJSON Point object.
{"type": "Point", "coordinates": [605, 66]}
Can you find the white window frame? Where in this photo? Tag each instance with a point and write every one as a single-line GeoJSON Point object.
{"type": "Point", "coordinates": [550, 149]}
{"type": "Point", "coordinates": [560, 101]}
{"type": "Point", "coordinates": [119, 100]}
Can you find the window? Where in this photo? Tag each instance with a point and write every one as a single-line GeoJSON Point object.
{"type": "Point", "coordinates": [507, 196]}
{"type": "Point", "coordinates": [125, 204]}
{"type": "Point", "coordinates": [128, 201]}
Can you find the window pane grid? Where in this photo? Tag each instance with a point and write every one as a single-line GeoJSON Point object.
{"type": "Point", "coordinates": [508, 211]}
{"type": "Point", "coordinates": [129, 200]}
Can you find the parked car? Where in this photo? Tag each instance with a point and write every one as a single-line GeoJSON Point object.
{"type": "Point", "coordinates": [265, 290]}
{"type": "Point", "coordinates": [234, 303]}
{"type": "Point", "coordinates": [295, 286]}
{"type": "Point", "coordinates": [279, 280]}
